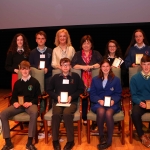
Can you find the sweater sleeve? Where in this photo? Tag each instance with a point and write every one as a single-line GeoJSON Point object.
{"type": "Point", "coordinates": [80, 88]}
{"type": "Point", "coordinates": [94, 97]}
{"type": "Point", "coordinates": [31, 59]}
{"type": "Point", "coordinates": [98, 57]}
{"type": "Point", "coordinates": [75, 60]}
{"type": "Point", "coordinates": [15, 93]}
{"type": "Point", "coordinates": [133, 89]}
{"type": "Point", "coordinates": [8, 64]}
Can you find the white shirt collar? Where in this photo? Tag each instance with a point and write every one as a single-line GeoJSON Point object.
{"type": "Point", "coordinates": [136, 45]}
{"type": "Point", "coordinates": [26, 78]}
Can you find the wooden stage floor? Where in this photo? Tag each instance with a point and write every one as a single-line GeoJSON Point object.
{"type": "Point", "coordinates": [19, 141]}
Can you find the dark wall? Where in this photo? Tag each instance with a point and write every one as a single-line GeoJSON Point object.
{"type": "Point", "coordinates": [101, 34]}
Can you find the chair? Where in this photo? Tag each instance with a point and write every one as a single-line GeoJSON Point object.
{"type": "Point", "coordinates": [77, 114]}
{"type": "Point", "coordinates": [118, 117]}
{"type": "Point", "coordinates": [24, 117]}
{"type": "Point", "coordinates": [145, 117]}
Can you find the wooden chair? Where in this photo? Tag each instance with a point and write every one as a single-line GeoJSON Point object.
{"type": "Point", "coordinates": [77, 114]}
{"type": "Point", "coordinates": [118, 117]}
{"type": "Point", "coordinates": [145, 117]}
{"type": "Point", "coordinates": [24, 117]}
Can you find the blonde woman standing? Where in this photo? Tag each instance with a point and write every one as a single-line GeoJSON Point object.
{"type": "Point", "coordinates": [63, 48]}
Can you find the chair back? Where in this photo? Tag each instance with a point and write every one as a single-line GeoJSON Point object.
{"type": "Point", "coordinates": [37, 74]}
{"type": "Point", "coordinates": [116, 71]}
{"type": "Point", "coordinates": [57, 71]}
{"type": "Point", "coordinates": [133, 71]}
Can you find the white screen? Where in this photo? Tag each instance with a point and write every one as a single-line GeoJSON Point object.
{"type": "Point", "coordinates": [47, 13]}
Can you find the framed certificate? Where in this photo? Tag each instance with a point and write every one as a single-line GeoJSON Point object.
{"type": "Point", "coordinates": [138, 58]}
{"type": "Point", "coordinates": [147, 104]}
{"type": "Point", "coordinates": [21, 100]}
{"type": "Point", "coordinates": [107, 100]}
{"type": "Point", "coordinates": [42, 65]}
{"type": "Point", "coordinates": [64, 97]}
{"type": "Point", "coordinates": [117, 62]}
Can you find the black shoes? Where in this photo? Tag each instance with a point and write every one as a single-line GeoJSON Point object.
{"type": "Point", "coordinates": [102, 140]}
{"type": "Point", "coordinates": [31, 147]}
{"type": "Point", "coordinates": [5, 147]}
{"type": "Point", "coordinates": [69, 145]}
{"type": "Point", "coordinates": [103, 147]}
{"type": "Point", "coordinates": [56, 145]}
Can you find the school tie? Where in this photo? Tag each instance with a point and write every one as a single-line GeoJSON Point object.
{"type": "Point", "coordinates": [20, 51]}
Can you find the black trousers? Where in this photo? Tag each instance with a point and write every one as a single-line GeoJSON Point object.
{"type": "Point", "coordinates": [12, 111]}
{"type": "Point", "coordinates": [137, 112]}
{"type": "Point", "coordinates": [67, 114]}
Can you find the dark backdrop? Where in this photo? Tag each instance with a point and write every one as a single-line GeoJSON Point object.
{"type": "Point", "coordinates": [101, 34]}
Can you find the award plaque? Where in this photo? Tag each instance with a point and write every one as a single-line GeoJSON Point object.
{"type": "Point", "coordinates": [64, 97]}
{"type": "Point", "coordinates": [21, 100]}
{"type": "Point", "coordinates": [42, 65]}
{"type": "Point", "coordinates": [138, 58]}
{"type": "Point", "coordinates": [117, 62]}
{"type": "Point", "coordinates": [147, 104]}
{"type": "Point", "coordinates": [107, 100]}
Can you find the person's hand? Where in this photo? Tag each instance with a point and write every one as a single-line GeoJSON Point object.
{"type": "Point", "coordinates": [101, 102]}
{"type": "Point", "coordinates": [85, 68]}
{"type": "Point", "coordinates": [16, 105]}
{"type": "Point", "coordinates": [142, 104]}
{"type": "Point", "coordinates": [69, 99]}
{"type": "Point", "coordinates": [134, 65]}
{"type": "Point", "coordinates": [27, 104]}
{"type": "Point", "coordinates": [45, 70]}
{"type": "Point", "coordinates": [58, 99]}
{"type": "Point", "coordinates": [16, 70]}
{"type": "Point", "coordinates": [111, 102]}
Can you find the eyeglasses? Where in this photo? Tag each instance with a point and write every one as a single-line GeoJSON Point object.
{"type": "Point", "coordinates": [41, 38]}
{"type": "Point", "coordinates": [65, 65]}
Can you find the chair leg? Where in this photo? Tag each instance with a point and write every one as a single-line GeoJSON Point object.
{"type": "Point", "coordinates": [79, 132]}
{"type": "Point", "coordinates": [123, 133]}
{"type": "Point", "coordinates": [131, 131]}
{"type": "Point", "coordinates": [88, 131]}
{"type": "Point", "coordinates": [46, 131]}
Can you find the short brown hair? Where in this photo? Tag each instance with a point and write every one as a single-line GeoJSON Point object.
{"type": "Point", "coordinates": [145, 58]}
{"type": "Point", "coordinates": [41, 33]}
{"type": "Point", "coordinates": [64, 60]}
{"type": "Point", "coordinates": [24, 64]}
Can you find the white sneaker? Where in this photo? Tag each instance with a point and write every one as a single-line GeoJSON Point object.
{"type": "Point", "coordinates": [42, 135]}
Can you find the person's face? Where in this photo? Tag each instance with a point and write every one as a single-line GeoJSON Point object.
{"type": "Point", "coordinates": [105, 67]}
{"type": "Point", "coordinates": [20, 41]}
{"type": "Point", "coordinates": [40, 40]}
{"type": "Point", "coordinates": [62, 38]}
{"type": "Point", "coordinates": [25, 72]}
{"type": "Point", "coordinates": [87, 45]}
{"type": "Point", "coordinates": [145, 67]}
{"type": "Point", "coordinates": [65, 67]}
{"type": "Point", "coordinates": [112, 47]}
{"type": "Point", "coordinates": [139, 38]}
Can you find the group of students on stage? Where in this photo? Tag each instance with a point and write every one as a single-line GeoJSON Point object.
{"type": "Point", "coordinates": [63, 57]}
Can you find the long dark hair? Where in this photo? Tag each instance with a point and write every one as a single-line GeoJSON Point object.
{"type": "Point", "coordinates": [101, 74]}
{"type": "Point", "coordinates": [118, 52]}
{"type": "Point", "coordinates": [133, 40]}
{"type": "Point", "coordinates": [13, 47]}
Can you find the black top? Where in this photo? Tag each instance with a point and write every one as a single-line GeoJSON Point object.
{"type": "Point", "coordinates": [74, 88]}
{"type": "Point", "coordinates": [13, 61]}
{"type": "Point", "coordinates": [77, 59]}
{"type": "Point", "coordinates": [29, 89]}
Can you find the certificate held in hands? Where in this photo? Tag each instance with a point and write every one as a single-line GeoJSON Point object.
{"type": "Point", "coordinates": [138, 58]}
{"type": "Point", "coordinates": [117, 62]}
{"type": "Point", "coordinates": [42, 65]}
{"type": "Point", "coordinates": [107, 101]}
{"type": "Point", "coordinates": [21, 100]}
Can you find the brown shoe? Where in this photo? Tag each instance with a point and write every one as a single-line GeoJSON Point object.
{"type": "Point", "coordinates": [145, 140]}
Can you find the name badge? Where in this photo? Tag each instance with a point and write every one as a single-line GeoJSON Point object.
{"type": "Point", "coordinates": [65, 81]}
{"type": "Point", "coordinates": [42, 55]}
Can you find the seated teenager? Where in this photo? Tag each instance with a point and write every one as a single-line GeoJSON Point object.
{"type": "Point", "coordinates": [72, 84]}
{"type": "Point", "coordinates": [105, 95]}
{"type": "Point", "coordinates": [139, 87]}
{"type": "Point", "coordinates": [29, 88]}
